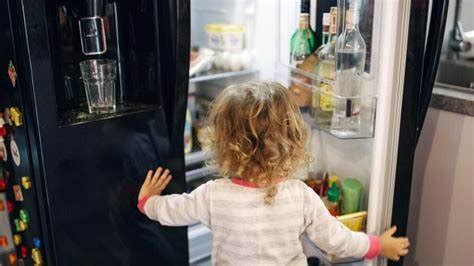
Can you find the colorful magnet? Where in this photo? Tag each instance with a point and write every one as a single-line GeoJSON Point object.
{"type": "Point", "coordinates": [17, 239]}
{"type": "Point", "coordinates": [16, 116]}
{"type": "Point", "coordinates": [36, 242]}
{"type": "Point", "coordinates": [10, 206]}
{"type": "Point", "coordinates": [26, 182]}
{"type": "Point", "coordinates": [3, 150]}
{"type": "Point", "coordinates": [2, 205]}
{"type": "Point", "coordinates": [36, 256]}
{"type": "Point", "coordinates": [24, 252]}
{"type": "Point", "coordinates": [12, 259]}
{"type": "Point", "coordinates": [12, 73]}
{"type": "Point", "coordinates": [24, 216]}
{"type": "Point", "coordinates": [20, 225]}
{"type": "Point", "coordinates": [3, 241]}
{"type": "Point", "coordinates": [6, 116]}
{"type": "Point", "coordinates": [15, 152]}
{"type": "Point", "coordinates": [3, 127]}
{"type": "Point", "coordinates": [17, 193]}
{"type": "Point", "coordinates": [3, 185]}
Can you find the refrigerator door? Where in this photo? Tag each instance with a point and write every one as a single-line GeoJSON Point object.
{"type": "Point", "coordinates": [422, 64]}
{"type": "Point", "coordinates": [90, 166]}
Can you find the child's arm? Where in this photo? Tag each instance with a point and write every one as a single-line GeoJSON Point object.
{"type": "Point", "coordinates": [172, 210]}
{"type": "Point", "coordinates": [336, 239]}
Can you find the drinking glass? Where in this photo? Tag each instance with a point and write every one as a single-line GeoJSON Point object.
{"type": "Point", "coordinates": [99, 76]}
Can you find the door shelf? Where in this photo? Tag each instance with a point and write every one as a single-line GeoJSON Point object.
{"type": "Point", "coordinates": [81, 115]}
{"type": "Point", "coordinates": [310, 91]}
{"type": "Point", "coordinates": [364, 133]}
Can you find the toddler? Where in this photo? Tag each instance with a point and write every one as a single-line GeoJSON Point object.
{"type": "Point", "coordinates": [258, 215]}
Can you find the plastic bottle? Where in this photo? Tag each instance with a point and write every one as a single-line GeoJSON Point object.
{"type": "Point", "coordinates": [332, 200]}
{"type": "Point", "coordinates": [351, 192]}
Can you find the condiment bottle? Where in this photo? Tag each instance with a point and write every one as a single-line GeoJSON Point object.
{"type": "Point", "coordinates": [332, 200]}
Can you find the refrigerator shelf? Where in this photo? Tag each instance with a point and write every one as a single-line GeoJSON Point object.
{"type": "Point", "coordinates": [197, 157]}
{"type": "Point", "coordinates": [199, 173]}
{"type": "Point", "coordinates": [217, 74]}
{"type": "Point", "coordinates": [81, 116]}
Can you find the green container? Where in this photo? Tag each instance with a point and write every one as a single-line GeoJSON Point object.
{"type": "Point", "coordinates": [351, 194]}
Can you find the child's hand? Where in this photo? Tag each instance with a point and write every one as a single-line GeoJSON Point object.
{"type": "Point", "coordinates": [393, 247]}
{"type": "Point", "coordinates": [154, 183]}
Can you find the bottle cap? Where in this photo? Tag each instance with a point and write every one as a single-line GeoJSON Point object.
{"type": "Point", "coordinates": [333, 179]}
{"type": "Point", "coordinates": [326, 19]}
{"type": "Point", "coordinates": [305, 6]}
{"type": "Point", "coordinates": [333, 193]}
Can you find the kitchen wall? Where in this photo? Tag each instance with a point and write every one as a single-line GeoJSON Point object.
{"type": "Point", "coordinates": [441, 223]}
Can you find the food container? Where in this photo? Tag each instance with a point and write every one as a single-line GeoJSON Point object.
{"type": "Point", "coordinates": [225, 37]}
{"type": "Point", "coordinates": [354, 221]}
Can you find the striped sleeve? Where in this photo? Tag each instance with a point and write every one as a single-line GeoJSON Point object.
{"type": "Point", "coordinates": [180, 209]}
{"type": "Point", "coordinates": [328, 233]}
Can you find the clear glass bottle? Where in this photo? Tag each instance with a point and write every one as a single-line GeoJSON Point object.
{"type": "Point", "coordinates": [350, 62]}
{"type": "Point", "coordinates": [326, 72]}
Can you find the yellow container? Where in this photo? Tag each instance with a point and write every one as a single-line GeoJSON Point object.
{"type": "Point", "coordinates": [354, 221]}
{"type": "Point", "coordinates": [225, 37]}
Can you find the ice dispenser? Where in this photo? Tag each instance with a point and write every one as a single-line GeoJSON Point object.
{"type": "Point", "coordinates": [105, 58]}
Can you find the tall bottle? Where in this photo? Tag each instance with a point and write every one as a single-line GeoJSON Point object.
{"type": "Point", "coordinates": [326, 28]}
{"type": "Point", "coordinates": [326, 73]}
{"type": "Point", "coordinates": [303, 40]}
{"type": "Point", "coordinates": [302, 44]}
{"type": "Point", "coordinates": [310, 64]}
{"type": "Point", "coordinates": [350, 61]}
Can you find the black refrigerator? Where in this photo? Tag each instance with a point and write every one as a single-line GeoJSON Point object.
{"type": "Point", "coordinates": [70, 178]}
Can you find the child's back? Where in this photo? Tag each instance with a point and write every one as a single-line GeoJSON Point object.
{"type": "Point", "coordinates": [257, 214]}
{"type": "Point", "coordinates": [247, 231]}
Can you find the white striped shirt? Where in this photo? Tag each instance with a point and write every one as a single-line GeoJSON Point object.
{"type": "Point", "coordinates": [246, 231]}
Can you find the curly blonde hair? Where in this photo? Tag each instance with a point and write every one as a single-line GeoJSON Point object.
{"type": "Point", "coordinates": [256, 132]}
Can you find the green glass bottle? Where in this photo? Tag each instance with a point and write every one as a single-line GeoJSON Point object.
{"type": "Point", "coordinates": [303, 41]}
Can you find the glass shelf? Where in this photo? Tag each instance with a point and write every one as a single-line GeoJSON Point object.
{"type": "Point", "coordinates": [197, 157]}
{"type": "Point", "coordinates": [81, 116]}
{"type": "Point", "coordinates": [292, 77]}
{"type": "Point", "coordinates": [217, 74]}
{"type": "Point", "coordinates": [199, 173]}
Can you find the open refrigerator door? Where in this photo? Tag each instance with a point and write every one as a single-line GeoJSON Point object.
{"type": "Point", "coordinates": [353, 106]}
{"type": "Point", "coordinates": [360, 159]}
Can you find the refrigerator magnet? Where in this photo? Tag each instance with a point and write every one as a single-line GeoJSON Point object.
{"type": "Point", "coordinates": [6, 116]}
{"type": "Point", "coordinates": [3, 150]}
{"type": "Point", "coordinates": [36, 256]}
{"type": "Point", "coordinates": [10, 206]}
{"type": "Point", "coordinates": [15, 152]}
{"type": "Point", "coordinates": [16, 116]}
{"type": "Point", "coordinates": [17, 239]}
{"type": "Point", "coordinates": [3, 127]}
{"type": "Point", "coordinates": [17, 193]}
{"type": "Point", "coordinates": [24, 216]}
{"type": "Point", "coordinates": [3, 186]}
{"type": "Point", "coordinates": [12, 73]}
{"type": "Point", "coordinates": [26, 182]}
{"type": "Point", "coordinates": [20, 226]}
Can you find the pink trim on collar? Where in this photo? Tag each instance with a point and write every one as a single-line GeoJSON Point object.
{"type": "Point", "coordinates": [243, 183]}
